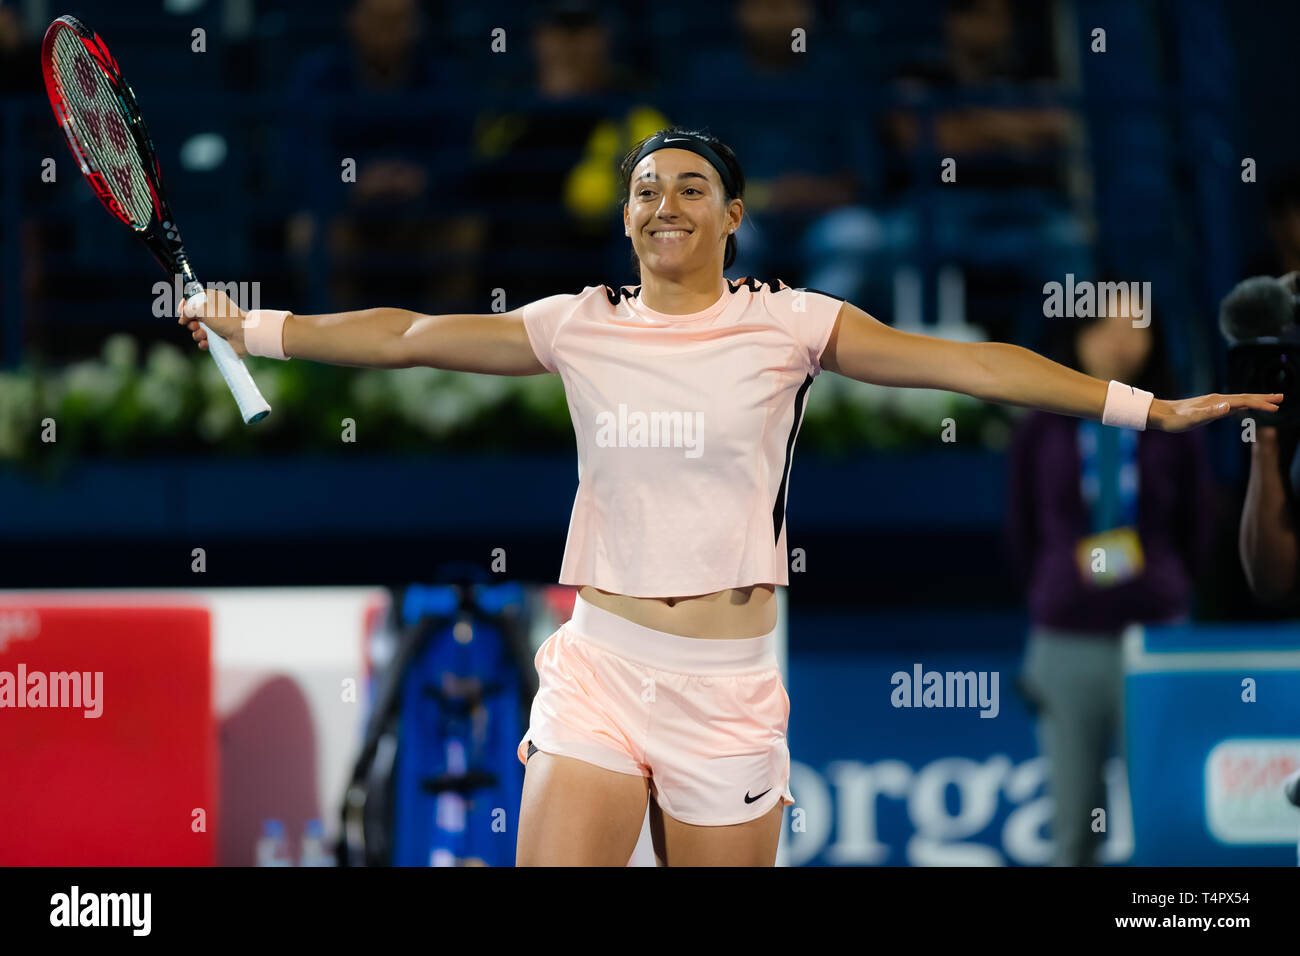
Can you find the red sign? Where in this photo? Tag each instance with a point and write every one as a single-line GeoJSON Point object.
{"type": "Point", "coordinates": [107, 744]}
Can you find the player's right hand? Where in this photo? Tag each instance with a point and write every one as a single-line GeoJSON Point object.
{"type": "Point", "coordinates": [219, 314]}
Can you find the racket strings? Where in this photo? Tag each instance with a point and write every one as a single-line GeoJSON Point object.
{"type": "Point", "coordinates": [100, 127]}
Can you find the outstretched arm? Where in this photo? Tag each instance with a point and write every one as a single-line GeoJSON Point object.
{"type": "Point", "coordinates": [866, 349]}
{"type": "Point", "coordinates": [491, 343]}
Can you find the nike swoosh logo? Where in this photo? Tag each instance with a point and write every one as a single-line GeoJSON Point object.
{"type": "Point", "coordinates": [677, 139]}
{"type": "Point", "coordinates": [749, 799]}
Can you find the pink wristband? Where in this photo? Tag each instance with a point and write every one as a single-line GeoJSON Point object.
{"type": "Point", "coordinates": [1126, 406]}
{"type": "Point", "coordinates": [264, 332]}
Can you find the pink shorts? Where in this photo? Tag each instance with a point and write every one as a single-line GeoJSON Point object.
{"type": "Point", "coordinates": [704, 719]}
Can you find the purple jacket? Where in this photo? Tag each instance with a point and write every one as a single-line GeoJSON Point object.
{"type": "Point", "coordinates": [1046, 517]}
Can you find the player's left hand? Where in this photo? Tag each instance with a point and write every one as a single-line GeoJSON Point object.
{"type": "Point", "coordinates": [1188, 413]}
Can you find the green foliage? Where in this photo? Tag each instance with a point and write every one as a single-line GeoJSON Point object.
{"type": "Point", "coordinates": [175, 403]}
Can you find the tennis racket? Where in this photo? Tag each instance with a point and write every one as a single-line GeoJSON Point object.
{"type": "Point", "coordinates": [106, 133]}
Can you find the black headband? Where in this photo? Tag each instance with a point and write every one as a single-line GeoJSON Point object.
{"type": "Point", "coordinates": [696, 145]}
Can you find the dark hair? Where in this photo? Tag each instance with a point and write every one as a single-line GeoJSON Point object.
{"type": "Point", "coordinates": [1156, 375]}
{"type": "Point", "coordinates": [718, 146]}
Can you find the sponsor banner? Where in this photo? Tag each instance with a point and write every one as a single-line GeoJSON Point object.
{"type": "Point", "coordinates": [925, 758]}
{"type": "Point", "coordinates": [228, 706]}
{"type": "Point", "coordinates": [107, 740]}
{"type": "Point", "coordinates": [883, 779]}
{"type": "Point", "coordinates": [1244, 802]}
{"type": "Point", "coordinates": [1213, 718]}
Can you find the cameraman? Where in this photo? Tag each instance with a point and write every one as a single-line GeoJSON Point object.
{"type": "Point", "coordinates": [1267, 539]}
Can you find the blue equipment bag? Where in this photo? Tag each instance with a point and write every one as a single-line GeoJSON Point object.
{"type": "Point", "coordinates": [438, 781]}
{"type": "Point", "coordinates": [458, 780]}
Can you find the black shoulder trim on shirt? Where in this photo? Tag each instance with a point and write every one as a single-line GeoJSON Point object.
{"type": "Point", "coordinates": [616, 296]}
{"type": "Point", "coordinates": [829, 295]}
{"type": "Point", "coordinates": [744, 282]}
{"type": "Point", "coordinates": [778, 510]}
{"type": "Point", "coordinates": [753, 285]}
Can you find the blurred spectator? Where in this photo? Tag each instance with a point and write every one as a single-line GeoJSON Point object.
{"type": "Point", "coordinates": [1007, 206]}
{"type": "Point", "coordinates": [1283, 203]}
{"type": "Point", "coordinates": [1145, 499]}
{"type": "Point", "coordinates": [20, 64]}
{"type": "Point", "coordinates": [547, 180]}
{"type": "Point", "coordinates": [982, 56]}
{"type": "Point", "coordinates": [374, 100]}
{"type": "Point", "coordinates": [806, 163]}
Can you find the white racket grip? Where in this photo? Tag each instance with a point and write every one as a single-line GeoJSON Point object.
{"type": "Point", "coordinates": [252, 406]}
{"type": "Point", "coordinates": [250, 401]}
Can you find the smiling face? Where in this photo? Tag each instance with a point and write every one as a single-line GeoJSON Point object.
{"type": "Point", "coordinates": [677, 214]}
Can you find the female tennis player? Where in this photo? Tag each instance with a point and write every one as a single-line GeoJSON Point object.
{"type": "Point", "coordinates": [686, 393]}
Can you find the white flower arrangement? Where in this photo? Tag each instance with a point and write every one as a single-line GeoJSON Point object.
{"type": "Point", "coordinates": [177, 402]}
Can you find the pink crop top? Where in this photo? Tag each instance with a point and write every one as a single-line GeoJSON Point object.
{"type": "Point", "coordinates": [685, 427]}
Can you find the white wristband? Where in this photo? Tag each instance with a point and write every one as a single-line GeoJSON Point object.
{"type": "Point", "coordinates": [264, 332]}
{"type": "Point", "coordinates": [1126, 406]}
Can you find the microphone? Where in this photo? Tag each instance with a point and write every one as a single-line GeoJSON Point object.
{"type": "Point", "coordinates": [1258, 307]}
{"type": "Point", "coordinates": [1291, 787]}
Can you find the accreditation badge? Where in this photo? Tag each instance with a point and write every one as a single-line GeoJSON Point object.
{"type": "Point", "coordinates": [1109, 558]}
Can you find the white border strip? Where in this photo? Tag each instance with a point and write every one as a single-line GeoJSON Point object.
{"type": "Point", "coordinates": [1138, 660]}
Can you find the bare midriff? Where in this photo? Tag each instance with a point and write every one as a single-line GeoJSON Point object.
{"type": "Point", "coordinates": [734, 613]}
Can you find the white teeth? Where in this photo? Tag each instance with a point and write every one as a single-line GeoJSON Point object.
{"type": "Point", "coordinates": [671, 234]}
